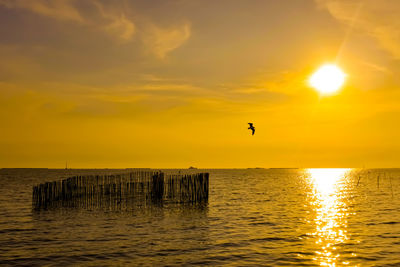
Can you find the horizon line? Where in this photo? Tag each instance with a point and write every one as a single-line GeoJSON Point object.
{"type": "Point", "coordinates": [194, 168]}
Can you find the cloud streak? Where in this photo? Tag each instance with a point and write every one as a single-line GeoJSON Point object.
{"type": "Point", "coordinates": [116, 21]}
{"type": "Point", "coordinates": [57, 9]}
{"type": "Point", "coordinates": [110, 21]}
{"type": "Point", "coordinates": [164, 40]}
{"type": "Point", "coordinates": [377, 19]}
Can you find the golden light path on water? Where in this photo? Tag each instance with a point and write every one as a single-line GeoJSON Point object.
{"type": "Point", "coordinates": [328, 200]}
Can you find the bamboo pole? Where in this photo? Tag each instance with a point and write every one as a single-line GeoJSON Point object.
{"type": "Point", "coordinates": [117, 191]}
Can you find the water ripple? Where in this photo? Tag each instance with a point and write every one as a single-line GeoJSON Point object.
{"type": "Point", "coordinates": [254, 218]}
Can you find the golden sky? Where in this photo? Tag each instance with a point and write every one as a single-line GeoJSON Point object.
{"type": "Point", "coordinates": [174, 83]}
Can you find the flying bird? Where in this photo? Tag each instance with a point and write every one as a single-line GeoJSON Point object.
{"type": "Point", "coordinates": [252, 128]}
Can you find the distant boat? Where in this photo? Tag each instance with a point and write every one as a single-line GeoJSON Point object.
{"type": "Point", "coordinates": [192, 168]}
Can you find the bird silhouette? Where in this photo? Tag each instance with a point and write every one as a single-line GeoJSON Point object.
{"type": "Point", "coordinates": [252, 128]}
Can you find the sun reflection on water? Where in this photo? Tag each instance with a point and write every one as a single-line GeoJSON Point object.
{"type": "Point", "coordinates": [327, 199]}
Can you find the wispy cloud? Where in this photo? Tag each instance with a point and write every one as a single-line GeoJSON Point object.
{"type": "Point", "coordinates": [163, 40]}
{"type": "Point", "coordinates": [118, 23]}
{"type": "Point", "coordinates": [377, 18]}
{"type": "Point", "coordinates": [122, 27]}
{"type": "Point", "coordinates": [57, 9]}
{"type": "Point", "coordinates": [114, 20]}
{"type": "Point", "coordinates": [110, 21]}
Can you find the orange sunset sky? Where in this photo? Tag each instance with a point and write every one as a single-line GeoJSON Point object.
{"type": "Point", "coordinates": [174, 83]}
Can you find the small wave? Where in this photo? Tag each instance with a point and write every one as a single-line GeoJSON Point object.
{"type": "Point", "coordinates": [365, 258]}
{"type": "Point", "coordinates": [373, 223]}
{"type": "Point", "coordinates": [263, 223]}
{"type": "Point", "coordinates": [230, 244]}
{"type": "Point", "coordinates": [272, 239]}
{"type": "Point", "coordinates": [13, 230]}
{"type": "Point", "coordinates": [388, 236]}
{"type": "Point", "coordinates": [390, 223]}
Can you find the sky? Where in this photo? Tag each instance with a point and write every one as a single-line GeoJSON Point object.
{"type": "Point", "coordinates": [173, 83]}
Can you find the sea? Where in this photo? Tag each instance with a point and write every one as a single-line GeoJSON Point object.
{"type": "Point", "coordinates": [254, 217]}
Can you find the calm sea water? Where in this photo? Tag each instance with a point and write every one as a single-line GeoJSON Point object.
{"type": "Point", "coordinates": [310, 217]}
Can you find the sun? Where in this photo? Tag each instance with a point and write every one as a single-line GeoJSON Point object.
{"type": "Point", "coordinates": [327, 79]}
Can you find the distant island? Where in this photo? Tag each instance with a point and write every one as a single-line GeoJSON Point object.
{"type": "Point", "coordinates": [192, 168]}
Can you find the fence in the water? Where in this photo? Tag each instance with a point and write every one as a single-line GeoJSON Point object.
{"type": "Point", "coordinates": [122, 190]}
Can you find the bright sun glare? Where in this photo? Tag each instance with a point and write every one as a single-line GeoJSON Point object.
{"type": "Point", "coordinates": [327, 79]}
